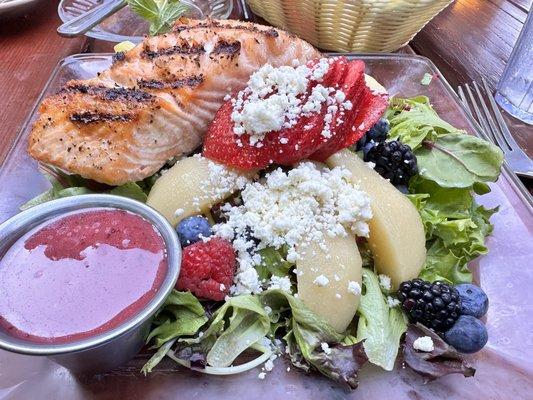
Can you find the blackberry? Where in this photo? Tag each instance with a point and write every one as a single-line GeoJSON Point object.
{"type": "Point", "coordinates": [394, 161]}
{"type": "Point", "coordinates": [436, 305]}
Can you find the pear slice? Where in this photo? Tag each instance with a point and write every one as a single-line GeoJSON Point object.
{"type": "Point", "coordinates": [340, 264]}
{"type": "Point", "coordinates": [397, 239]}
{"type": "Point", "coordinates": [192, 186]}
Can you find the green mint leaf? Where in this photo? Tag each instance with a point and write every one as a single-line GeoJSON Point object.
{"type": "Point", "coordinates": [146, 9]}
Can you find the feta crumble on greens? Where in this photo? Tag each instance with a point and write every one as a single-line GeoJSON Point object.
{"type": "Point", "coordinates": [291, 209]}
{"type": "Point", "coordinates": [424, 343]}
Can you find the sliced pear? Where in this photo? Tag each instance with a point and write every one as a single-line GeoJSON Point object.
{"type": "Point", "coordinates": [374, 85]}
{"type": "Point", "coordinates": [397, 239]}
{"type": "Point", "coordinates": [192, 186]}
{"type": "Point", "coordinates": [340, 265]}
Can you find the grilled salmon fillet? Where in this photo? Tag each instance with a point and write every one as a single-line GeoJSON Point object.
{"type": "Point", "coordinates": [157, 100]}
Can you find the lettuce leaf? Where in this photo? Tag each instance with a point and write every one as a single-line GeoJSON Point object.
{"type": "Point", "coordinates": [64, 185]}
{"type": "Point", "coordinates": [456, 228]}
{"type": "Point", "coordinates": [238, 324]}
{"type": "Point", "coordinates": [443, 360]}
{"type": "Point", "coordinates": [380, 326]}
{"type": "Point", "coordinates": [181, 315]}
{"type": "Point", "coordinates": [459, 160]}
{"type": "Point", "coordinates": [413, 120]}
{"type": "Point", "coordinates": [445, 155]}
{"type": "Point", "coordinates": [306, 335]}
{"type": "Point", "coordinates": [272, 263]}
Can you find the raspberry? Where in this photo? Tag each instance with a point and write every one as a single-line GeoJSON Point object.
{"type": "Point", "coordinates": [207, 269]}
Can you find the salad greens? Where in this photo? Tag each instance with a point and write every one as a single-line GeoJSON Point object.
{"type": "Point", "coordinates": [161, 14]}
{"type": "Point", "coordinates": [453, 166]}
{"type": "Point", "coordinates": [64, 185]}
{"type": "Point", "coordinates": [442, 360]}
{"type": "Point", "coordinates": [242, 323]}
{"type": "Point", "coordinates": [380, 326]}
{"type": "Point", "coordinates": [273, 263]}
{"type": "Point", "coordinates": [181, 315]}
{"type": "Point", "coordinates": [210, 337]}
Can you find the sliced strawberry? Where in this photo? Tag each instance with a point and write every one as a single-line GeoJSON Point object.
{"type": "Point", "coordinates": [353, 86]}
{"type": "Point", "coordinates": [306, 139]}
{"type": "Point", "coordinates": [222, 145]}
{"type": "Point", "coordinates": [299, 142]}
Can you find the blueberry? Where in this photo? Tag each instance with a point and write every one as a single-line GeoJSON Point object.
{"type": "Point", "coordinates": [382, 125]}
{"type": "Point", "coordinates": [192, 229]}
{"type": "Point", "coordinates": [467, 335]}
{"type": "Point", "coordinates": [403, 188]}
{"type": "Point", "coordinates": [366, 149]}
{"type": "Point", "coordinates": [474, 301]}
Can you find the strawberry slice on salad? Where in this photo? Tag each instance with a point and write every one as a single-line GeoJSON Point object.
{"type": "Point", "coordinates": [316, 123]}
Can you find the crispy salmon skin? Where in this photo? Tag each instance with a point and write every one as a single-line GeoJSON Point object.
{"type": "Point", "coordinates": [156, 101]}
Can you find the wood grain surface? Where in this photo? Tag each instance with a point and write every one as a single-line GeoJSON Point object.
{"type": "Point", "coordinates": [473, 39]}
{"type": "Point", "coordinates": [29, 50]}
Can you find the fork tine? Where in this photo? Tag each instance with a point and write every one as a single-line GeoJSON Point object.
{"type": "Point", "coordinates": [480, 117]}
{"type": "Point", "coordinates": [490, 120]}
{"type": "Point", "coordinates": [462, 96]}
{"type": "Point", "coordinates": [499, 118]}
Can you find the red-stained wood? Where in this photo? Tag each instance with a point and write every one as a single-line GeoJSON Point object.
{"type": "Point", "coordinates": [29, 50]}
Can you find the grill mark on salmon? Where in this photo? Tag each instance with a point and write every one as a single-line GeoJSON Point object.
{"type": "Point", "coordinates": [270, 32]}
{"type": "Point", "coordinates": [110, 94]}
{"type": "Point", "coordinates": [190, 82]}
{"type": "Point", "coordinates": [181, 49]}
{"type": "Point", "coordinates": [155, 101]}
{"type": "Point", "coordinates": [224, 47]}
{"type": "Point", "coordinates": [88, 117]}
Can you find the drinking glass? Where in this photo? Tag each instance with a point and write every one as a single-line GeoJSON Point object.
{"type": "Point", "coordinates": [515, 89]}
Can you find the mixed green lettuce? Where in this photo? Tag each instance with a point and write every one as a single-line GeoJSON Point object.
{"type": "Point", "coordinates": [65, 185]}
{"type": "Point", "coordinates": [379, 326]}
{"type": "Point", "coordinates": [453, 167]}
{"type": "Point", "coordinates": [242, 323]}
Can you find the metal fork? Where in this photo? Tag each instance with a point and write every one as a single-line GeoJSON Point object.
{"type": "Point", "coordinates": [491, 121]}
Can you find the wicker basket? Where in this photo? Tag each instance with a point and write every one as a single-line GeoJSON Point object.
{"type": "Point", "coordinates": [353, 25]}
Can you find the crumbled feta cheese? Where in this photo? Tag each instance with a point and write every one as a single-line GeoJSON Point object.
{"type": "Point", "coordinates": [222, 287]}
{"type": "Point", "coordinates": [336, 277]}
{"type": "Point", "coordinates": [338, 296]}
{"type": "Point", "coordinates": [292, 209]}
{"type": "Point", "coordinates": [269, 364]}
{"type": "Point", "coordinates": [325, 348]}
{"type": "Point", "coordinates": [321, 280]}
{"type": "Point", "coordinates": [385, 281]}
{"type": "Point", "coordinates": [280, 282]}
{"type": "Point", "coordinates": [221, 181]}
{"type": "Point", "coordinates": [262, 375]}
{"type": "Point", "coordinates": [354, 288]}
{"type": "Point", "coordinates": [392, 302]}
{"type": "Point", "coordinates": [274, 99]}
{"type": "Point", "coordinates": [424, 343]}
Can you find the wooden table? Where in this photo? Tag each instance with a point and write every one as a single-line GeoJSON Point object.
{"type": "Point", "coordinates": [470, 39]}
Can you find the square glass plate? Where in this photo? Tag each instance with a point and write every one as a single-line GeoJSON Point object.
{"type": "Point", "coordinates": [504, 367]}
